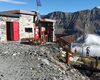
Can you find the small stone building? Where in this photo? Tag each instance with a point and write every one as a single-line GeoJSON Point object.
{"type": "Point", "coordinates": [48, 24]}
{"type": "Point", "coordinates": [16, 25]}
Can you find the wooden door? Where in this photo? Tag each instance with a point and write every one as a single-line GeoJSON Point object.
{"type": "Point", "coordinates": [15, 31]}
{"type": "Point", "coordinates": [12, 31]}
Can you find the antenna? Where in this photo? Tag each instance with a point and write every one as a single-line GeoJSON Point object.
{"type": "Point", "coordinates": [37, 10]}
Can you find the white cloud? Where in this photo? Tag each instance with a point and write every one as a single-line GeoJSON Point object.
{"type": "Point", "coordinates": [98, 6]}
{"type": "Point", "coordinates": [13, 1]}
{"type": "Point", "coordinates": [92, 41]}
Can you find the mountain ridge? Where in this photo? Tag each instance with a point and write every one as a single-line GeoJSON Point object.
{"type": "Point", "coordinates": [84, 21]}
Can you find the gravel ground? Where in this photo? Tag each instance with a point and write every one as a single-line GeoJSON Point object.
{"type": "Point", "coordinates": [24, 62]}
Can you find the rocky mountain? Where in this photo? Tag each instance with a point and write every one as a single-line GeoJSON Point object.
{"type": "Point", "coordinates": [87, 21]}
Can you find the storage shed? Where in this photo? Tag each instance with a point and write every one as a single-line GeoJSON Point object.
{"type": "Point", "coordinates": [48, 24]}
{"type": "Point", "coordinates": [16, 24]}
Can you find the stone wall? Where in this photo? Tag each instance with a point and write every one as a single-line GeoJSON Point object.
{"type": "Point", "coordinates": [26, 21]}
{"type": "Point", "coordinates": [3, 21]}
{"type": "Point", "coordinates": [54, 36]}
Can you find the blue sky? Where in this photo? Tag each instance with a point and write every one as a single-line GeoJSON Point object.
{"type": "Point", "coordinates": [49, 5]}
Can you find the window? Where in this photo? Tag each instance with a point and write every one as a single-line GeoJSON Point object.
{"type": "Point", "coordinates": [29, 30]}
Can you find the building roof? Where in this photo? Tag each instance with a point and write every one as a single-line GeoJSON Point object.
{"type": "Point", "coordinates": [47, 20]}
{"type": "Point", "coordinates": [18, 12]}
{"type": "Point", "coordinates": [10, 15]}
{"type": "Point", "coordinates": [67, 39]}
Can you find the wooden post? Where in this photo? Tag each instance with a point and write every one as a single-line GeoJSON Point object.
{"type": "Point", "coordinates": [67, 57]}
{"type": "Point", "coordinates": [97, 61]}
{"type": "Point", "coordinates": [75, 52]}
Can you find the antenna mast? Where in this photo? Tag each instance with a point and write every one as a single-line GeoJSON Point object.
{"type": "Point", "coordinates": [37, 10]}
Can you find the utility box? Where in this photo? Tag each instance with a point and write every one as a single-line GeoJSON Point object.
{"type": "Point", "coordinates": [43, 35]}
{"type": "Point", "coordinates": [36, 32]}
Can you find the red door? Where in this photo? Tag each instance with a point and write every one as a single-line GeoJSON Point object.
{"type": "Point", "coordinates": [15, 31]}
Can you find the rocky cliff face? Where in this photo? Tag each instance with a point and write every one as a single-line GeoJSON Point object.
{"type": "Point", "coordinates": [87, 21]}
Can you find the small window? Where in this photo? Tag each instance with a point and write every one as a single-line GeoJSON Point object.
{"type": "Point", "coordinates": [28, 30]}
